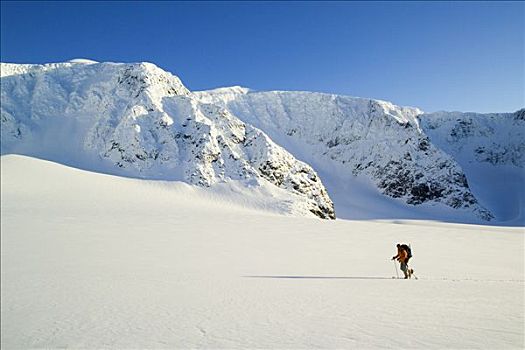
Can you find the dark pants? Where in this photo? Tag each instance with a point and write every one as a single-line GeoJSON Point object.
{"type": "Point", "coordinates": [404, 268]}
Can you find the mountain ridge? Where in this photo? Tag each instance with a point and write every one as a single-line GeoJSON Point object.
{"type": "Point", "coordinates": [143, 120]}
{"type": "Point", "coordinates": [371, 138]}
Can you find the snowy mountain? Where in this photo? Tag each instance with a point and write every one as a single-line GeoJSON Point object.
{"type": "Point", "coordinates": [496, 138]}
{"type": "Point", "coordinates": [144, 122]}
{"type": "Point", "coordinates": [371, 139]}
{"type": "Point", "coordinates": [376, 159]}
{"type": "Point", "coordinates": [491, 150]}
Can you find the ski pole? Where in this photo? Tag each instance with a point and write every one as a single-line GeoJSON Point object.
{"type": "Point", "coordinates": [395, 266]}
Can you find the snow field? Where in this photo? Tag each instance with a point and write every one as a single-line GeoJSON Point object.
{"type": "Point", "coordinates": [97, 261]}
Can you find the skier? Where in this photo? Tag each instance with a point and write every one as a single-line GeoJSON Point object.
{"type": "Point", "coordinates": [403, 255]}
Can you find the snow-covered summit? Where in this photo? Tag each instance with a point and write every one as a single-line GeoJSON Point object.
{"type": "Point", "coordinates": [402, 115]}
{"type": "Point", "coordinates": [141, 121]}
{"type": "Point", "coordinates": [82, 61]}
{"type": "Point", "coordinates": [230, 90]}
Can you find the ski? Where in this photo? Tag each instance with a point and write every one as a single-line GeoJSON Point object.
{"type": "Point", "coordinates": [402, 278]}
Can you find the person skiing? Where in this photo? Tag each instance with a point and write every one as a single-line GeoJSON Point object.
{"type": "Point", "coordinates": [403, 255]}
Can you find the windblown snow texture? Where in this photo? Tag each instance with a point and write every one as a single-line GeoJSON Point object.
{"type": "Point", "coordinates": [143, 120]}
{"type": "Point", "coordinates": [116, 263]}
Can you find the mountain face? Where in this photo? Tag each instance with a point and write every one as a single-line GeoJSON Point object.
{"type": "Point", "coordinates": [496, 138]}
{"type": "Point", "coordinates": [138, 120]}
{"type": "Point", "coordinates": [374, 139]}
{"type": "Point", "coordinates": [142, 121]}
{"type": "Point", "coordinates": [490, 148]}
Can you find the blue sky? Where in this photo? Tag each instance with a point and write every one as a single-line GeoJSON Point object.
{"type": "Point", "coordinates": [466, 56]}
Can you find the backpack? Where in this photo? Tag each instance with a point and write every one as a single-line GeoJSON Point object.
{"type": "Point", "coordinates": [407, 249]}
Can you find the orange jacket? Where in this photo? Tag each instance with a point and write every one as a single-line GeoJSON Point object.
{"type": "Point", "coordinates": [402, 255]}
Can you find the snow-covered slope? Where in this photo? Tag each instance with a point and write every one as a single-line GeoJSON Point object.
{"type": "Point", "coordinates": [491, 150]}
{"type": "Point", "coordinates": [377, 160]}
{"type": "Point", "coordinates": [91, 261]}
{"type": "Point", "coordinates": [10, 69]}
{"type": "Point", "coordinates": [372, 139]}
{"type": "Point", "coordinates": [140, 121]}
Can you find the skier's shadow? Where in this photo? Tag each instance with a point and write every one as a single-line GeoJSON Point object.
{"type": "Point", "coordinates": [323, 277]}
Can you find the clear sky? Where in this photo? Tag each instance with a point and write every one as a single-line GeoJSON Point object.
{"type": "Point", "coordinates": [466, 56]}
